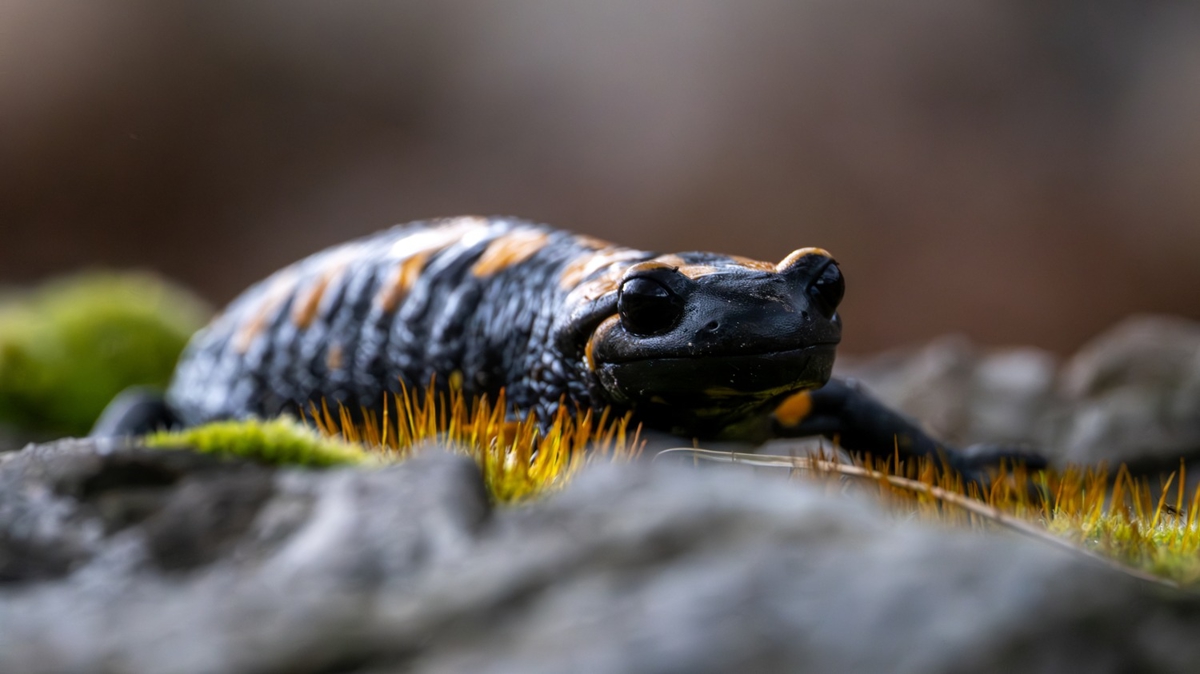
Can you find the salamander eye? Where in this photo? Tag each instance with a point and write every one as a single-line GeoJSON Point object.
{"type": "Point", "coordinates": [647, 306]}
{"type": "Point", "coordinates": [827, 289]}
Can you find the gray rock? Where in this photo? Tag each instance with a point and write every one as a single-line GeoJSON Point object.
{"type": "Point", "coordinates": [209, 566]}
{"type": "Point", "coordinates": [12, 439]}
{"type": "Point", "coordinates": [1133, 395]}
{"type": "Point", "coordinates": [963, 393]}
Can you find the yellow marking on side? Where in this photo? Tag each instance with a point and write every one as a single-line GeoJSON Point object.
{"type": "Point", "coordinates": [335, 357]}
{"type": "Point", "coordinates": [508, 250]}
{"type": "Point", "coordinates": [275, 295]}
{"type": "Point", "coordinates": [601, 330]}
{"type": "Point", "coordinates": [796, 255]}
{"type": "Point", "coordinates": [794, 408]}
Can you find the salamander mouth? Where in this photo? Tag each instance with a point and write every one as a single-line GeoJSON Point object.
{"type": "Point", "coordinates": [698, 378]}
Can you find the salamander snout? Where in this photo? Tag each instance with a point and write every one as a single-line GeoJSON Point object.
{"type": "Point", "coordinates": [820, 275]}
{"type": "Point", "coordinates": [718, 307]}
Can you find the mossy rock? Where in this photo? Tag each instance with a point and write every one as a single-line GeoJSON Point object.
{"type": "Point", "coordinates": [282, 441]}
{"type": "Point", "coordinates": [69, 346]}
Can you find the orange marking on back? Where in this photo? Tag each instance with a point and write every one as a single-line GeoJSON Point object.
{"type": "Point", "coordinates": [589, 355]}
{"type": "Point", "coordinates": [306, 304]}
{"type": "Point", "coordinates": [413, 252]}
{"type": "Point", "coordinates": [272, 298]}
{"type": "Point", "coordinates": [304, 309]}
{"type": "Point", "coordinates": [512, 248]}
{"type": "Point", "coordinates": [796, 255]}
{"type": "Point", "coordinates": [435, 238]}
{"type": "Point", "coordinates": [592, 242]}
{"type": "Point", "coordinates": [670, 260]}
{"type": "Point", "coordinates": [335, 357]}
{"type": "Point", "coordinates": [582, 267]}
{"type": "Point", "coordinates": [757, 265]}
{"type": "Point", "coordinates": [676, 262]}
{"type": "Point", "coordinates": [402, 281]}
{"type": "Point", "coordinates": [597, 288]}
{"type": "Point", "coordinates": [794, 408]}
{"type": "Point", "coordinates": [695, 271]}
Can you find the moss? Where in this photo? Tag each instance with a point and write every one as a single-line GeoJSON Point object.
{"type": "Point", "coordinates": [68, 347]}
{"type": "Point", "coordinates": [1150, 533]}
{"type": "Point", "coordinates": [282, 441]}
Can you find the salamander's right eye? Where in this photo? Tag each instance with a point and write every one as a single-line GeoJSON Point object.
{"type": "Point", "coordinates": [827, 289]}
{"type": "Point", "coordinates": [647, 306]}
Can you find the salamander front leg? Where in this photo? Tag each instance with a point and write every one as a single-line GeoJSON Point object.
{"type": "Point", "coordinates": [135, 411]}
{"type": "Point", "coordinates": [842, 410]}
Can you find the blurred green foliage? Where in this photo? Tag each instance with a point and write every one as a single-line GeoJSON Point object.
{"type": "Point", "coordinates": [69, 346]}
{"type": "Point", "coordinates": [281, 441]}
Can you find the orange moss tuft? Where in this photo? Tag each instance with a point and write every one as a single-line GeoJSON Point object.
{"type": "Point", "coordinates": [519, 457]}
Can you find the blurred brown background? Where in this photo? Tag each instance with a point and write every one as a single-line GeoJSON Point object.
{"type": "Point", "coordinates": [1021, 171]}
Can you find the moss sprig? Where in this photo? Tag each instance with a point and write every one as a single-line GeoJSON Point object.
{"type": "Point", "coordinates": [281, 441]}
{"type": "Point", "coordinates": [520, 458]}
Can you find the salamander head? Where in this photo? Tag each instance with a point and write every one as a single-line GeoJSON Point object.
{"type": "Point", "coordinates": [702, 341]}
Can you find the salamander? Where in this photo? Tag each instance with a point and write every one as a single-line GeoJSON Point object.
{"type": "Point", "coordinates": [696, 344]}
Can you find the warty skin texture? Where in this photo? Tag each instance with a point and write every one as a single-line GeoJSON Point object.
{"type": "Point", "coordinates": [699, 345]}
{"type": "Point", "coordinates": [491, 303]}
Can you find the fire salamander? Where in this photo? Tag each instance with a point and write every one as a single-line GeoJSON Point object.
{"type": "Point", "coordinates": [699, 345]}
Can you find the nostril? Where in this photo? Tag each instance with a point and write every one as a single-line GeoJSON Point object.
{"type": "Point", "coordinates": [711, 326]}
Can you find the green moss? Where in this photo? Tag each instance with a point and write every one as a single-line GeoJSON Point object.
{"type": "Point", "coordinates": [282, 441]}
{"type": "Point", "coordinates": [1171, 549]}
{"type": "Point", "coordinates": [68, 347]}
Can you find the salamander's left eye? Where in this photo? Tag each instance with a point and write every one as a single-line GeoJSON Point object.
{"type": "Point", "coordinates": [647, 306]}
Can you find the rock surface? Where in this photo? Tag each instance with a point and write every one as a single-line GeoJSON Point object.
{"type": "Point", "coordinates": [123, 560]}
{"type": "Point", "coordinates": [1131, 395]}
{"type": "Point", "coordinates": [961, 392]}
{"type": "Point", "coordinates": [1134, 395]}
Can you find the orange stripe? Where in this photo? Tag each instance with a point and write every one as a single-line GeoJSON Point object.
{"type": "Point", "coordinates": [796, 255]}
{"type": "Point", "coordinates": [275, 295]}
{"type": "Point", "coordinates": [587, 264]}
{"type": "Point", "coordinates": [757, 265]}
{"type": "Point", "coordinates": [335, 357]}
{"type": "Point", "coordinates": [601, 330]}
{"type": "Point", "coordinates": [402, 281]}
{"type": "Point", "coordinates": [794, 408]}
{"type": "Point", "coordinates": [508, 250]}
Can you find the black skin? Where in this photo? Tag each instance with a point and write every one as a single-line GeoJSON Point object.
{"type": "Point", "coordinates": [699, 345]}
